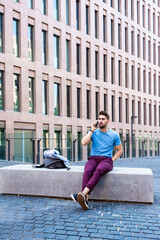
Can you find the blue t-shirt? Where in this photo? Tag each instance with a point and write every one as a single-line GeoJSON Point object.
{"type": "Point", "coordinates": [103, 143]}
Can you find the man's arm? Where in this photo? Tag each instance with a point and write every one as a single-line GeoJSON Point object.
{"type": "Point", "coordinates": [86, 139]}
{"type": "Point", "coordinates": [118, 152]}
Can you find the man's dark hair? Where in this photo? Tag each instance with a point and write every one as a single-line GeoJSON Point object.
{"type": "Point", "coordinates": [104, 113]}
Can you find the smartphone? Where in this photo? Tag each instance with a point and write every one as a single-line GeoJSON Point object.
{"type": "Point", "coordinates": [97, 124]}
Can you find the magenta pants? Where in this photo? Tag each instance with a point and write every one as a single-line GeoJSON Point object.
{"type": "Point", "coordinates": [94, 169]}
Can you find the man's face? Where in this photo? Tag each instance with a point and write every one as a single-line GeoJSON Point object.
{"type": "Point", "coordinates": [103, 121]}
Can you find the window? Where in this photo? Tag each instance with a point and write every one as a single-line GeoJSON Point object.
{"type": "Point", "coordinates": [96, 65]}
{"type": "Point", "coordinates": [159, 55]}
{"type": "Point", "coordinates": [132, 77]}
{"type": "Point", "coordinates": [154, 28]}
{"type": "Point", "coordinates": [126, 7]}
{"type": "Point", "coordinates": [143, 15]}
{"type": "Point", "coordinates": [119, 72]}
{"type": "Point", "coordinates": [112, 32]}
{"type": "Point", "coordinates": [150, 114]}
{"type": "Point", "coordinates": [105, 102]}
{"type": "Point", "coordinates": [139, 112]}
{"type": "Point", "coordinates": [155, 85]}
{"type": "Point", "coordinates": [138, 15]}
{"type": "Point", "coordinates": [149, 82]}
{"type": "Point", "coordinates": [120, 109]}
{"type": "Point", "coordinates": [77, 14]}
{"type": "Point", "coordinates": [132, 9]}
{"type": "Point", "coordinates": [126, 39]}
{"type": "Point", "coordinates": [133, 108]}
{"type": "Point", "coordinates": [96, 24]}
{"type": "Point", "coordinates": [138, 79]}
{"type": "Point", "coordinates": [149, 51]}
{"type": "Point", "coordinates": [144, 81]}
{"type": "Point", "coordinates": [88, 104]}
{"type": "Point", "coordinates": [16, 94]}
{"type": "Point", "coordinates": [112, 70]}
{"type": "Point", "coordinates": [158, 24]}
{"type": "Point", "coordinates": [67, 12]}
{"type": "Point", "coordinates": [78, 58]}
{"type": "Point", "coordinates": [15, 37]}
{"type": "Point", "coordinates": [1, 90]}
{"type": "Point", "coordinates": [56, 51]}
{"type": "Point", "coordinates": [149, 19]}
{"type": "Point", "coordinates": [155, 115]}
{"type": "Point", "coordinates": [127, 112]}
{"type": "Point", "coordinates": [119, 5]}
{"type": "Point", "coordinates": [44, 7]}
{"type": "Point", "coordinates": [78, 102]}
{"type": "Point", "coordinates": [56, 99]}
{"type": "Point", "coordinates": [144, 48]}
{"type": "Point", "coordinates": [119, 35]}
{"type": "Point", "coordinates": [79, 146]}
{"type": "Point", "coordinates": [68, 93]}
{"type": "Point", "coordinates": [158, 86]}
{"type": "Point", "coordinates": [104, 67]}
{"type": "Point", "coordinates": [30, 4]}
{"type": "Point", "coordinates": [44, 47]}
{"type": "Point", "coordinates": [30, 43]}
{"type": "Point", "coordinates": [144, 113]}
{"type": "Point", "coordinates": [56, 10]}
{"type": "Point", "coordinates": [112, 107]}
{"type": "Point", "coordinates": [126, 75]}
{"type": "Point", "coordinates": [112, 3]}
{"type": "Point", "coordinates": [69, 144]}
{"type": "Point", "coordinates": [159, 115]}
{"type": "Point", "coordinates": [138, 45]}
{"type": "Point", "coordinates": [97, 104]}
{"type": "Point", "coordinates": [87, 61]}
{"type": "Point", "coordinates": [58, 140]}
{"type": "Point", "coordinates": [67, 55]}
{"type": "Point", "coordinates": [44, 97]}
{"type": "Point", "coordinates": [132, 42]}
{"type": "Point", "coordinates": [154, 53]}
{"type": "Point", "coordinates": [104, 28]}
{"type": "Point", "coordinates": [87, 19]}
{"type": "Point", "coordinates": [31, 95]}
{"type": "Point", "coordinates": [1, 32]}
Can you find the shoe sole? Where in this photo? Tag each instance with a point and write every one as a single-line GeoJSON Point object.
{"type": "Point", "coordinates": [81, 201]}
{"type": "Point", "coordinates": [73, 198]}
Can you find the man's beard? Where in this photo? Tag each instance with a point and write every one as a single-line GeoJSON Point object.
{"type": "Point", "coordinates": [103, 126]}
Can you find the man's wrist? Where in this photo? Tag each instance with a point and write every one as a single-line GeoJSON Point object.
{"type": "Point", "coordinates": [91, 131]}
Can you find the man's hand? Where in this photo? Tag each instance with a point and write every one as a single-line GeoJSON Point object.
{"type": "Point", "coordinates": [94, 126]}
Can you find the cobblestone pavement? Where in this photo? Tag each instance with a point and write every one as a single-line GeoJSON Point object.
{"type": "Point", "coordinates": [30, 218]}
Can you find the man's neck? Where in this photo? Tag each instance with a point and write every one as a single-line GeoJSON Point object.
{"type": "Point", "coordinates": [104, 129]}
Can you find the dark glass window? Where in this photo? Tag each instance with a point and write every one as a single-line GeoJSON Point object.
{"type": "Point", "coordinates": [31, 95]}
{"type": "Point", "coordinates": [104, 67]}
{"type": "Point", "coordinates": [30, 4]}
{"type": "Point", "coordinates": [44, 7]}
{"type": "Point", "coordinates": [126, 39]}
{"type": "Point", "coordinates": [119, 35]}
{"type": "Point", "coordinates": [96, 65]}
{"type": "Point", "coordinates": [56, 99]}
{"type": "Point", "coordinates": [87, 19]}
{"type": "Point", "coordinates": [78, 102]}
{"type": "Point", "coordinates": [79, 146]}
{"type": "Point", "coordinates": [112, 70]}
{"type": "Point", "coordinates": [68, 101]}
{"type": "Point", "coordinates": [112, 32]}
{"type": "Point", "coordinates": [87, 62]}
{"type": "Point", "coordinates": [120, 109]}
{"type": "Point", "coordinates": [97, 104]}
{"type": "Point", "coordinates": [88, 104]}
{"type": "Point", "coordinates": [56, 9]}
{"type": "Point", "coordinates": [77, 14]}
{"type": "Point", "coordinates": [119, 72]}
{"type": "Point", "coordinates": [44, 47]}
{"type": "Point", "coordinates": [67, 55]}
{"type": "Point", "coordinates": [126, 75]}
{"type": "Point", "coordinates": [16, 37]}
{"type": "Point", "coordinates": [104, 28]}
{"type": "Point", "coordinates": [105, 102]}
{"type": "Point", "coordinates": [56, 51]}
{"type": "Point", "coordinates": [69, 145]}
{"type": "Point", "coordinates": [96, 24]}
{"type": "Point", "coordinates": [30, 43]}
{"type": "Point", "coordinates": [67, 12]}
{"type": "Point", "coordinates": [58, 140]}
{"type": "Point", "coordinates": [44, 97]}
{"type": "Point", "coordinates": [112, 108]}
{"type": "Point", "coordinates": [1, 32]}
{"type": "Point", "coordinates": [1, 90]}
{"type": "Point", "coordinates": [78, 58]}
{"type": "Point", "coordinates": [16, 92]}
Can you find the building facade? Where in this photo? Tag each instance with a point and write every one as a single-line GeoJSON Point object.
{"type": "Point", "coordinates": [62, 61]}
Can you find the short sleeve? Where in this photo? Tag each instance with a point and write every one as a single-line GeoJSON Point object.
{"type": "Point", "coordinates": [117, 140]}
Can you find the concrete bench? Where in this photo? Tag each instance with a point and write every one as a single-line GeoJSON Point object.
{"type": "Point", "coordinates": [122, 184]}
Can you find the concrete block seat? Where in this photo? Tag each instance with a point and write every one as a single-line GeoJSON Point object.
{"type": "Point", "coordinates": [122, 184]}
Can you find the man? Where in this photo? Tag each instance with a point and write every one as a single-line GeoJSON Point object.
{"type": "Point", "coordinates": [101, 159]}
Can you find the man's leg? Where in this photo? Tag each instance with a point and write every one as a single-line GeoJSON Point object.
{"type": "Point", "coordinates": [103, 167]}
